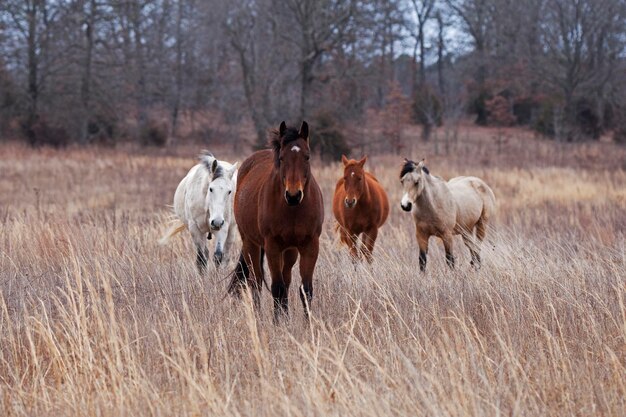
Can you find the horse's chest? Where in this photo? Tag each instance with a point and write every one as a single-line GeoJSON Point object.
{"type": "Point", "coordinates": [288, 235]}
{"type": "Point", "coordinates": [356, 221]}
{"type": "Point", "coordinates": [428, 224]}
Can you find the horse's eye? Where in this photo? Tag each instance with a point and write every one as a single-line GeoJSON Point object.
{"type": "Point", "coordinates": [230, 191]}
{"type": "Point", "coordinates": [307, 157]}
{"type": "Point", "coordinates": [211, 190]}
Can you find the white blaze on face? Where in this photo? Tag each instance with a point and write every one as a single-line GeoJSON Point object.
{"type": "Point", "coordinates": [217, 200]}
{"type": "Point", "coordinates": [405, 200]}
{"type": "Point", "coordinates": [352, 175]}
{"type": "Point", "coordinates": [408, 183]}
{"type": "Point", "coordinates": [295, 148]}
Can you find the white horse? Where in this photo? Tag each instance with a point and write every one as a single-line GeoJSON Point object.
{"type": "Point", "coordinates": [445, 209]}
{"type": "Point", "coordinates": [203, 204]}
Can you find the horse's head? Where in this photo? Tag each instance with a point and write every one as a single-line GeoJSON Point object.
{"type": "Point", "coordinates": [413, 180]}
{"type": "Point", "coordinates": [353, 180]}
{"type": "Point", "coordinates": [219, 192]}
{"type": "Point", "coordinates": [292, 154]}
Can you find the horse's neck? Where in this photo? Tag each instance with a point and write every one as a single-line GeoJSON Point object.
{"type": "Point", "coordinates": [425, 201]}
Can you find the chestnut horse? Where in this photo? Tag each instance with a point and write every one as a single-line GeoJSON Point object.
{"type": "Point", "coordinates": [279, 212]}
{"type": "Point", "coordinates": [360, 206]}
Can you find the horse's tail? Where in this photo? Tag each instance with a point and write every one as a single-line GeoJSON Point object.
{"type": "Point", "coordinates": [176, 228]}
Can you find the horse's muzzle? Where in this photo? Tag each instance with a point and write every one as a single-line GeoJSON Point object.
{"type": "Point", "coordinates": [293, 199]}
{"type": "Point", "coordinates": [350, 203]}
{"type": "Point", "coordinates": [407, 207]}
{"type": "Point", "coordinates": [216, 225]}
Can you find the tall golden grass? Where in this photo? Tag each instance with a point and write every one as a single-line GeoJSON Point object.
{"type": "Point", "coordinates": [97, 319]}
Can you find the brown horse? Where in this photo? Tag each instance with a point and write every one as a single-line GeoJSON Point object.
{"type": "Point", "coordinates": [360, 206]}
{"type": "Point", "coordinates": [279, 212]}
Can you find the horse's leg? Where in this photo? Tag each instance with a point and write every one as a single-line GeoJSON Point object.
{"type": "Point", "coordinates": [422, 242]}
{"type": "Point", "coordinates": [290, 256]}
{"type": "Point", "coordinates": [308, 259]}
{"type": "Point", "coordinates": [351, 241]}
{"type": "Point", "coordinates": [369, 239]}
{"type": "Point", "coordinates": [481, 231]}
{"type": "Point", "coordinates": [255, 282]}
{"type": "Point", "coordinates": [221, 237]}
{"type": "Point", "coordinates": [468, 239]}
{"type": "Point", "coordinates": [202, 252]}
{"type": "Point", "coordinates": [447, 244]}
{"type": "Point", "coordinates": [279, 289]}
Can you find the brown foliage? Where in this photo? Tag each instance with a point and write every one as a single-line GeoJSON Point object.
{"type": "Point", "coordinates": [396, 115]}
{"type": "Point", "coordinates": [499, 111]}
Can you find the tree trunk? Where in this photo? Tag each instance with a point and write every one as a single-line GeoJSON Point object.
{"type": "Point", "coordinates": [422, 55]}
{"type": "Point", "coordinates": [178, 70]}
{"type": "Point", "coordinates": [85, 90]}
{"type": "Point", "coordinates": [33, 65]}
{"type": "Point", "coordinates": [140, 68]}
{"type": "Point", "coordinates": [440, 50]}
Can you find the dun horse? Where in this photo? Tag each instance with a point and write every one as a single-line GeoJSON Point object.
{"type": "Point", "coordinates": [279, 211]}
{"type": "Point", "coordinates": [360, 206]}
{"type": "Point", "coordinates": [203, 204]}
{"type": "Point", "coordinates": [445, 209]}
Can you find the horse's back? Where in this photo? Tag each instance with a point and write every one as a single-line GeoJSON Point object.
{"type": "Point", "coordinates": [475, 200]}
{"type": "Point", "coordinates": [189, 195]}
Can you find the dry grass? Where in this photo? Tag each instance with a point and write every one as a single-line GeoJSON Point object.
{"type": "Point", "coordinates": [97, 319]}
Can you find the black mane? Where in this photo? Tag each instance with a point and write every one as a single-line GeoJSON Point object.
{"type": "Point", "coordinates": [409, 166]}
{"type": "Point", "coordinates": [276, 141]}
{"type": "Point", "coordinates": [219, 172]}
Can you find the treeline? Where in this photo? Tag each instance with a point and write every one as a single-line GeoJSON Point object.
{"type": "Point", "coordinates": [158, 71]}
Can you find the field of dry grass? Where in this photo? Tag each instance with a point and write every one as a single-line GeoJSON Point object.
{"type": "Point", "coordinates": [97, 319]}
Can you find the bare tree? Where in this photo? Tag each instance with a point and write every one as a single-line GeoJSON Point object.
{"type": "Point", "coordinates": [250, 41]}
{"type": "Point", "coordinates": [318, 27]}
{"type": "Point", "coordinates": [583, 40]}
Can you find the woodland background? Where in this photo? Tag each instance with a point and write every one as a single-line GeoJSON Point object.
{"type": "Point", "coordinates": [162, 72]}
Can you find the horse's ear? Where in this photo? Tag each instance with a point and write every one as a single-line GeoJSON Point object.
{"type": "Point", "coordinates": [214, 166]}
{"type": "Point", "coordinates": [363, 161]}
{"type": "Point", "coordinates": [304, 130]}
{"type": "Point", "coordinates": [282, 129]}
{"type": "Point", "coordinates": [232, 169]}
{"type": "Point", "coordinates": [344, 160]}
